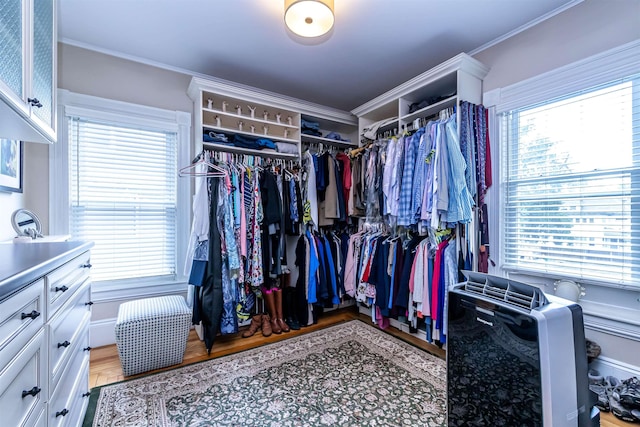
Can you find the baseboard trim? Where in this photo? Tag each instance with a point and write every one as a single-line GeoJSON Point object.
{"type": "Point", "coordinates": [102, 332]}
{"type": "Point", "coordinates": [102, 295]}
{"type": "Point", "coordinates": [607, 366]}
{"type": "Point", "coordinates": [399, 325]}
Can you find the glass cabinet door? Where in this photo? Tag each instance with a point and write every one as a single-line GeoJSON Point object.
{"type": "Point", "coordinates": [12, 46]}
{"type": "Point", "coordinates": [43, 49]}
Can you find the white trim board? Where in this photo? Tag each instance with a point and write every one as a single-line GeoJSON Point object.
{"type": "Point", "coordinates": [133, 291]}
{"type": "Point", "coordinates": [606, 367]}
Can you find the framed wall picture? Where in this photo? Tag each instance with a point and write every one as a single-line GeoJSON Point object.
{"type": "Point", "coordinates": [11, 165]}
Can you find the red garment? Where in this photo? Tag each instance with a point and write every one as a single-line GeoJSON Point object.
{"type": "Point", "coordinates": [346, 174]}
{"type": "Point", "coordinates": [367, 268]}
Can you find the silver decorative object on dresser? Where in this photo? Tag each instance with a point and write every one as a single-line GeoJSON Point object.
{"type": "Point", "coordinates": [45, 310]}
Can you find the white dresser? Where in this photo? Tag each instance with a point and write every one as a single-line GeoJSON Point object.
{"type": "Point", "coordinates": [45, 310]}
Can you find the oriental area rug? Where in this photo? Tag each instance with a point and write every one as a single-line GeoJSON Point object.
{"type": "Point", "coordinates": [351, 374]}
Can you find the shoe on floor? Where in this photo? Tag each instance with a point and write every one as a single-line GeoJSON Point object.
{"type": "Point", "coordinates": [621, 411]}
{"type": "Point", "coordinates": [603, 396]}
{"type": "Point", "coordinates": [628, 393]}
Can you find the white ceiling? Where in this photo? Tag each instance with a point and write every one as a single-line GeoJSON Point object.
{"type": "Point", "coordinates": [374, 46]}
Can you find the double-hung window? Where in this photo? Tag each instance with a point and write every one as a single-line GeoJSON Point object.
{"type": "Point", "coordinates": [123, 197]}
{"type": "Point", "coordinates": [571, 194]}
{"type": "Point", "coordinates": [122, 190]}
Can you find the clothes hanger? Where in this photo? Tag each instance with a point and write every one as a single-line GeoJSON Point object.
{"type": "Point", "coordinates": [201, 160]}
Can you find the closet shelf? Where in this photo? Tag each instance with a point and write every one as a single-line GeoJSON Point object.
{"type": "Point", "coordinates": [248, 117]}
{"type": "Point", "coordinates": [275, 138]}
{"type": "Point", "coordinates": [328, 141]}
{"type": "Point", "coordinates": [430, 110]}
{"type": "Point", "coordinates": [240, 150]}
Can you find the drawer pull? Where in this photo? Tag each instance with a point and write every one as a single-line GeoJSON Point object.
{"type": "Point", "coordinates": [61, 288]}
{"type": "Point", "coordinates": [64, 344]}
{"type": "Point", "coordinates": [90, 303]}
{"type": "Point", "coordinates": [64, 412]}
{"type": "Point", "coordinates": [87, 394]}
{"type": "Point", "coordinates": [87, 265]}
{"type": "Point", "coordinates": [32, 315]}
{"type": "Point", "coordinates": [87, 349]}
{"type": "Point", "coordinates": [33, 392]}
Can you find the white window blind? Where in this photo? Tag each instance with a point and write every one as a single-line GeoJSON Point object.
{"type": "Point", "coordinates": [571, 174]}
{"type": "Point", "coordinates": [123, 197]}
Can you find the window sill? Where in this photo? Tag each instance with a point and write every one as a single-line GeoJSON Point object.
{"type": "Point", "coordinates": [103, 292]}
{"type": "Point", "coordinates": [598, 317]}
{"type": "Point", "coordinates": [609, 310]}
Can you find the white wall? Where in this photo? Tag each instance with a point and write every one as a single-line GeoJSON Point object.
{"type": "Point", "coordinates": [590, 27]}
{"type": "Point", "coordinates": [587, 29]}
{"type": "Point", "coordinates": [35, 190]}
{"type": "Point", "coordinates": [9, 202]}
{"type": "Point", "coordinates": [92, 73]}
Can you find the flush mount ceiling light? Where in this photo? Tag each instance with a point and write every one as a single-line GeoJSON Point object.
{"type": "Point", "coordinates": [309, 18]}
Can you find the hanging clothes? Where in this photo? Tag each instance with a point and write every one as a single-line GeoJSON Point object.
{"type": "Point", "coordinates": [212, 288]}
{"type": "Point", "coordinates": [421, 187]}
{"type": "Point", "coordinates": [271, 227]}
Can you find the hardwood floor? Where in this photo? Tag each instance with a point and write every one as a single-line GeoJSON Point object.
{"type": "Point", "coordinates": [105, 366]}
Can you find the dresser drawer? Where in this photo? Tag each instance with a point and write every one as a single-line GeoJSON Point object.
{"type": "Point", "coordinates": [41, 420]}
{"type": "Point", "coordinates": [66, 280]}
{"type": "Point", "coordinates": [69, 401]}
{"type": "Point", "coordinates": [78, 350]}
{"type": "Point", "coordinates": [21, 315]}
{"type": "Point", "coordinates": [68, 329]}
{"type": "Point", "coordinates": [23, 385]}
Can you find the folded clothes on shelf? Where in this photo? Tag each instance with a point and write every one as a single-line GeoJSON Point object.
{"type": "Point", "coordinates": [425, 103]}
{"type": "Point", "coordinates": [311, 132]}
{"type": "Point", "coordinates": [253, 143]}
{"type": "Point", "coordinates": [210, 136]}
{"type": "Point", "coordinates": [308, 124]}
{"type": "Point", "coordinates": [336, 137]}
{"type": "Point", "coordinates": [287, 147]}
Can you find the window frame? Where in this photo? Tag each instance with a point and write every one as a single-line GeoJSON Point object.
{"type": "Point", "coordinates": [563, 184]}
{"type": "Point", "coordinates": [608, 307]}
{"type": "Point", "coordinates": [103, 109]}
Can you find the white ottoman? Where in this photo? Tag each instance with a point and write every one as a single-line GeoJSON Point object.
{"type": "Point", "coordinates": [152, 333]}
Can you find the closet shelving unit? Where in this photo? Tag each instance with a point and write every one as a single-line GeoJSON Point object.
{"type": "Point", "coordinates": [200, 90]}
{"type": "Point", "coordinates": [216, 118]}
{"type": "Point", "coordinates": [346, 131]}
{"type": "Point", "coordinates": [234, 118]}
{"type": "Point", "coordinates": [444, 86]}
